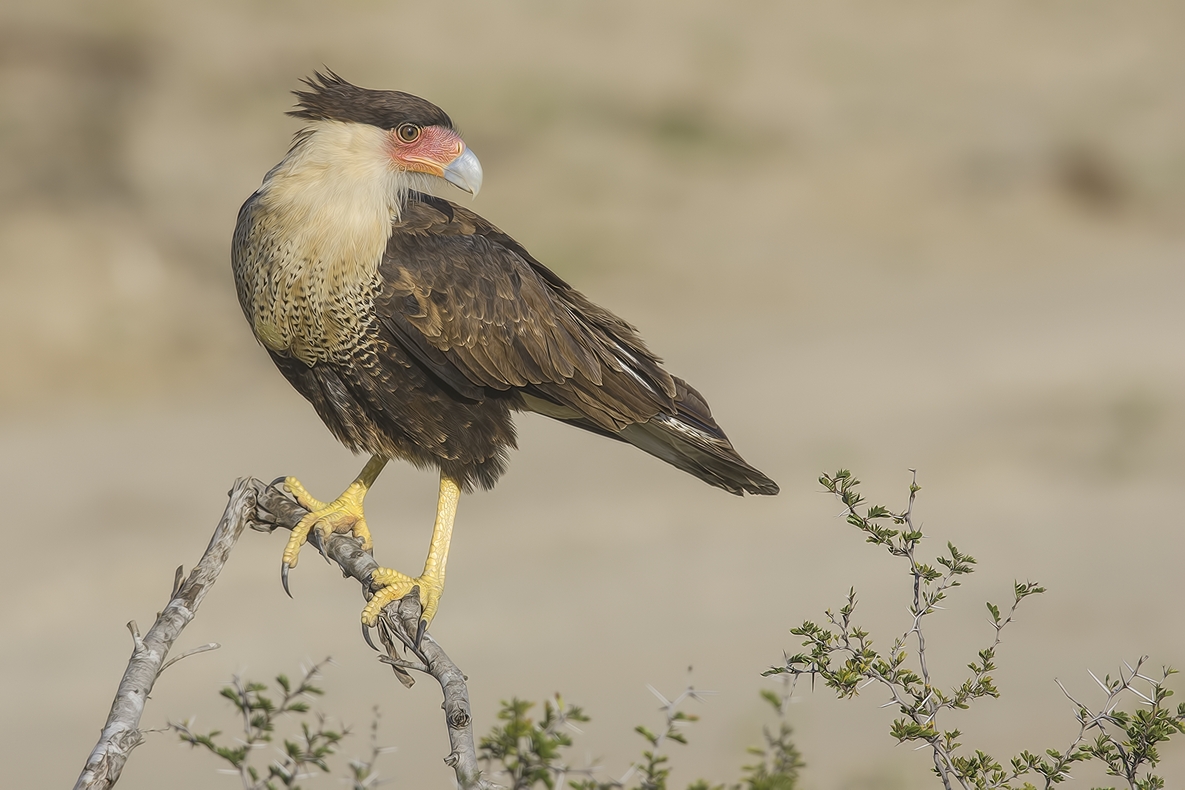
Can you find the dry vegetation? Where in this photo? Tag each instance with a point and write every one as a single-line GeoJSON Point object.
{"type": "Point", "coordinates": [877, 236]}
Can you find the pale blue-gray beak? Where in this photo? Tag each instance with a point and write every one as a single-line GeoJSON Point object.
{"type": "Point", "coordinates": [464, 172]}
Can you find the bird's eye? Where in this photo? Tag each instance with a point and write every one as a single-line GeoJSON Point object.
{"type": "Point", "coordinates": [408, 132]}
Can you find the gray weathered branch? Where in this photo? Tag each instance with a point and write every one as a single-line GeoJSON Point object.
{"type": "Point", "coordinates": [121, 733]}
{"type": "Point", "coordinates": [263, 507]}
{"type": "Point", "coordinates": [401, 620]}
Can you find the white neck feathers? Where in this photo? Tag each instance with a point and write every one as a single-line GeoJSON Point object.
{"type": "Point", "coordinates": [320, 224]}
{"type": "Point", "coordinates": [336, 193]}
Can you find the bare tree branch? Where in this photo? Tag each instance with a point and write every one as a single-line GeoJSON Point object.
{"type": "Point", "coordinates": [121, 733]}
{"type": "Point", "coordinates": [264, 508]}
{"type": "Point", "coordinates": [400, 622]}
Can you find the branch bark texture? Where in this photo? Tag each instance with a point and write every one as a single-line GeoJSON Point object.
{"type": "Point", "coordinates": [264, 508]}
{"type": "Point", "coordinates": [121, 733]}
{"type": "Point", "coordinates": [400, 619]}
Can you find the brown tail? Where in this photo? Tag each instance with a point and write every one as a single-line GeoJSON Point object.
{"type": "Point", "coordinates": [692, 441]}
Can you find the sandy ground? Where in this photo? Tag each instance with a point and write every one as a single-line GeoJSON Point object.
{"type": "Point", "coordinates": [880, 236]}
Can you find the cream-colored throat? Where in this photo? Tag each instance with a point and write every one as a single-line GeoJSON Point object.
{"type": "Point", "coordinates": [325, 215]}
{"type": "Point", "coordinates": [336, 193]}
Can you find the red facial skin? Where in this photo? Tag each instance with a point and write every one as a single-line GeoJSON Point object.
{"type": "Point", "coordinates": [431, 152]}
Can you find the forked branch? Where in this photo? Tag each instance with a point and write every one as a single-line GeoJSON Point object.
{"type": "Point", "coordinates": [264, 508]}
{"type": "Point", "coordinates": [397, 628]}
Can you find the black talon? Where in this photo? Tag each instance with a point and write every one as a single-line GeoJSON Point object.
{"type": "Point", "coordinates": [284, 577]}
{"type": "Point", "coordinates": [411, 646]}
{"type": "Point", "coordinates": [366, 636]}
{"type": "Point", "coordinates": [420, 635]}
{"type": "Point", "coordinates": [277, 481]}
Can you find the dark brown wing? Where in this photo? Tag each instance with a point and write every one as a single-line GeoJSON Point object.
{"type": "Point", "coordinates": [472, 306]}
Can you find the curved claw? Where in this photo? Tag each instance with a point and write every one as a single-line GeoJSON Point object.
{"type": "Point", "coordinates": [414, 646]}
{"type": "Point", "coordinates": [276, 483]}
{"type": "Point", "coordinates": [366, 636]}
{"type": "Point", "coordinates": [420, 635]}
{"type": "Point", "coordinates": [284, 577]}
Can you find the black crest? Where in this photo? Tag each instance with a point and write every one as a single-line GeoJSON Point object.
{"type": "Point", "coordinates": [333, 99]}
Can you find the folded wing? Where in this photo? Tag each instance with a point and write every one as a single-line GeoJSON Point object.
{"type": "Point", "coordinates": [484, 318]}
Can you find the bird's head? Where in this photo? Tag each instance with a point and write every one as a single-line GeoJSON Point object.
{"type": "Point", "coordinates": [379, 130]}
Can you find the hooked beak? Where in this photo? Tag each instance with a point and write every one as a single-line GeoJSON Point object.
{"type": "Point", "coordinates": [464, 172]}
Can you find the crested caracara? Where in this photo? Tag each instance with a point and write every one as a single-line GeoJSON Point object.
{"type": "Point", "coordinates": [416, 328]}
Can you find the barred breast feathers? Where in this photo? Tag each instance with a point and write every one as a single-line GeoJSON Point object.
{"type": "Point", "coordinates": [309, 242]}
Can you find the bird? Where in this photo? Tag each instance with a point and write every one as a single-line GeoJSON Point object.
{"type": "Point", "coordinates": [417, 329]}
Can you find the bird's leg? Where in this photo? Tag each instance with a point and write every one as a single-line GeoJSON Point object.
{"type": "Point", "coordinates": [392, 585]}
{"type": "Point", "coordinates": [343, 514]}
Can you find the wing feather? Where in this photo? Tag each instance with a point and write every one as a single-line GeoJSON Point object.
{"type": "Point", "coordinates": [485, 320]}
{"type": "Point", "coordinates": [472, 306]}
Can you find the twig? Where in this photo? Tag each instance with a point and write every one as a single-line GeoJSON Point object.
{"type": "Point", "coordinates": [121, 733]}
{"type": "Point", "coordinates": [400, 621]}
{"type": "Point", "coordinates": [206, 648]}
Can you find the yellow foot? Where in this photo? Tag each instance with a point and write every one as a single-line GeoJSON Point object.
{"type": "Point", "coordinates": [343, 514]}
{"type": "Point", "coordinates": [390, 585]}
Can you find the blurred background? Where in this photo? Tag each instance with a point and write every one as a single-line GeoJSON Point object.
{"type": "Point", "coordinates": [876, 236]}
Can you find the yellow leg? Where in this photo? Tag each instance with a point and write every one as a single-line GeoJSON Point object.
{"type": "Point", "coordinates": [392, 585]}
{"type": "Point", "coordinates": [343, 514]}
